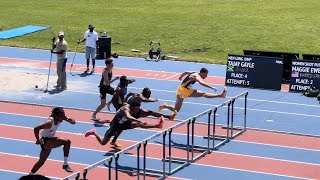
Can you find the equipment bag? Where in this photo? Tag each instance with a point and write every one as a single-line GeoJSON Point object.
{"type": "Point", "coordinates": [312, 92]}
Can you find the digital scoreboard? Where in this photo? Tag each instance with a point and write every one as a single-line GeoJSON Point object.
{"type": "Point", "coordinates": [304, 73]}
{"type": "Point", "coordinates": [254, 71]}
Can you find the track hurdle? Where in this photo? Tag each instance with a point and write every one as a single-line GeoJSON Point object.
{"type": "Point", "coordinates": [190, 146]}
{"type": "Point", "coordinates": [240, 128]}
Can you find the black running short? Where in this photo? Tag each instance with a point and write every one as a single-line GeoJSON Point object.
{"type": "Point", "coordinates": [43, 140]}
{"type": "Point", "coordinates": [104, 90]}
{"type": "Point", "coordinates": [115, 126]}
{"type": "Point", "coordinates": [126, 125]}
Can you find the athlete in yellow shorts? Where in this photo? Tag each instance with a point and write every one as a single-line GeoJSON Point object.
{"type": "Point", "coordinates": [185, 89]}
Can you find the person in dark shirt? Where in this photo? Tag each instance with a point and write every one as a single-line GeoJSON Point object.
{"type": "Point", "coordinates": [105, 87]}
{"type": "Point", "coordinates": [127, 118]}
{"type": "Point", "coordinates": [144, 96]}
{"type": "Point", "coordinates": [120, 92]}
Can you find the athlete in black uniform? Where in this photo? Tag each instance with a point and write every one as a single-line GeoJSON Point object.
{"type": "Point", "coordinates": [127, 118]}
{"type": "Point", "coordinates": [105, 87]}
{"type": "Point", "coordinates": [119, 100]}
{"type": "Point", "coordinates": [120, 92]}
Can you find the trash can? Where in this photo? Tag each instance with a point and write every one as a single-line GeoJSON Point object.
{"type": "Point", "coordinates": [103, 46]}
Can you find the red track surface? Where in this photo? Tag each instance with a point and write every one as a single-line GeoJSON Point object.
{"type": "Point", "coordinates": [54, 168]}
{"type": "Point", "coordinates": [84, 116]}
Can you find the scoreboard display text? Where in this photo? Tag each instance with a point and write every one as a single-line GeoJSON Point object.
{"type": "Point", "coordinates": [254, 71]}
{"type": "Point", "coordinates": [304, 73]}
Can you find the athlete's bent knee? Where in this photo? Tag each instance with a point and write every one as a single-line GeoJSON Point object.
{"type": "Point", "coordinates": [68, 142]}
{"type": "Point", "coordinates": [104, 141]}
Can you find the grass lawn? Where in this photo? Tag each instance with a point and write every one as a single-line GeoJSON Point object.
{"type": "Point", "coordinates": [223, 26]}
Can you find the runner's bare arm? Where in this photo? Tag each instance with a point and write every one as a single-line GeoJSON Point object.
{"type": "Point", "coordinates": [70, 120]}
{"type": "Point", "coordinates": [145, 113]}
{"type": "Point", "coordinates": [184, 74]}
{"type": "Point", "coordinates": [114, 79]}
{"type": "Point", "coordinates": [132, 81]}
{"type": "Point", "coordinates": [144, 99]}
{"type": "Point", "coordinates": [128, 115]}
{"type": "Point", "coordinates": [45, 125]}
{"type": "Point", "coordinates": [106, 78]}
{"type": "Point", "coordinates": [203, 83]}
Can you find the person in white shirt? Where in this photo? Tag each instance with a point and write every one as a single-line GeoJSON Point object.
{"type": "Point", "coordinates": [48, 140]}
{"type": "Point", "coordinates": [91, 37]}
{"type": "Point", "coordinates": [60, 48]}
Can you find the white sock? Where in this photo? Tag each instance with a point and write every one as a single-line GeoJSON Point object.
{"type": "Point", "coordinates": [31, 173]}
{"type": "Point", "coordinates": [65, 161]}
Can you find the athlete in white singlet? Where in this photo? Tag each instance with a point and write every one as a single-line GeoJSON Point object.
{"type": "Point", "coordinates": [48, 140]}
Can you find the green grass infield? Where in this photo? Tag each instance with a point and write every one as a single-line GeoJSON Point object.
{"type": "Point", "coordinates": [192, 30]}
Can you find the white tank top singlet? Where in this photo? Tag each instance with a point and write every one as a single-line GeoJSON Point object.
{"type": "Point", "coordinates": [49, 133]}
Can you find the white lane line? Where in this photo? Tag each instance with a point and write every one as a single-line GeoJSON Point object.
{"type": "Point", "coordinates": [250, 99]}
{"type": "Point", "coordinates": [212, 105]}
{"type": "Point", "coordinates": [172, 76]}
